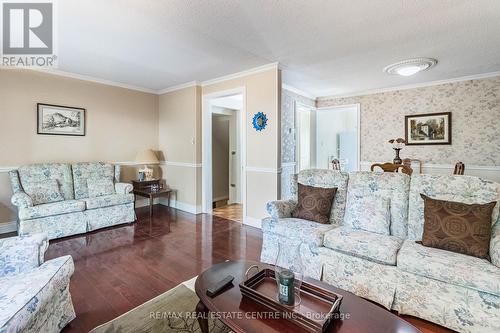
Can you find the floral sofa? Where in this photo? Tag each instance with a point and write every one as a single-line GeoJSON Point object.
{"type": "Point", "coordinates": [454, 290]}
{"type": "Point", "coordinates": [34, 295]}
{"type": "Point", "coordinates": [76, 212]}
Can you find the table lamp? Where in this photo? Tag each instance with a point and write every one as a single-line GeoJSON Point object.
{"type": "Point", "coordinates": [147, 157]}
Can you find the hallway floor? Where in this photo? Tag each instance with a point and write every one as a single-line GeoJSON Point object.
{"type": "Point", "coordinates": [233, 212]}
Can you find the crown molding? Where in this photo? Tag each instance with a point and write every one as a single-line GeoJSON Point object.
{"type": "Point", "coordinates": [274, 65]}
{"type": "Point", "coordinates": [93, 79]}
{"type": "Point", "coordinates": [178, 87]}
{"type": "Point", "coordinates": [298, 91]}
{"type": "Point", "coordinates": [412, 86]}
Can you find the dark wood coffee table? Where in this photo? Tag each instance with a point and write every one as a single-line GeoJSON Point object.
{"type": "Point", "coordinates": [237, 312]}
{"type": "Point", "coordinates": [152, 194]}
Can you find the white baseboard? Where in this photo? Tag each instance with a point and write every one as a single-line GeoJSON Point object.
{"type": "Point", "coordinates": [6, 227]}
{"type": "Point", "coordinates": [253, 222]}
{"type": "Point", "coordinates": [185, 207]}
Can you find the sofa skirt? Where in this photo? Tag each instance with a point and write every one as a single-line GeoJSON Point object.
{"type": "Point", "coordinates": [109, 216]}
{"type": "Point", "coordinates": [455, 307]}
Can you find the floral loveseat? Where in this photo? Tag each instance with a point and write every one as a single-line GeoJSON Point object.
{"type": "Point", "coordinates": [454, 290]}
{"type": "Point", "coordinates": [69, 209]}
{"type": "Point", "coordinates": [34, 295]}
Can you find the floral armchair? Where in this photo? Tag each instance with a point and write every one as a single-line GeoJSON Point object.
{"type": "Point", "coordinates": [34, 295]}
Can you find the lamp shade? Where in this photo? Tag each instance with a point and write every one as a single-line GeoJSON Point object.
{"type": "Point", "coordinates": [146, 157]}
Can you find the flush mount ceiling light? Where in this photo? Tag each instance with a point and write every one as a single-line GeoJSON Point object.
{"type": "Point", "coordinates": [410, 66]}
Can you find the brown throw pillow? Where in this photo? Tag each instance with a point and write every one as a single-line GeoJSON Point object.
{"type": "Point", "coordinates": [314, 203]}
{"type": "Point", "coordinates": [457, 227]}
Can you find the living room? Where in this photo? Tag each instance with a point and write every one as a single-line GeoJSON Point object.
{"type": "Point", "coordinates": [361, 175]}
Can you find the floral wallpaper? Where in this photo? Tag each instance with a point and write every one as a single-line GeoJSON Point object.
{"type": "Point", "coordinates": [475, 108]}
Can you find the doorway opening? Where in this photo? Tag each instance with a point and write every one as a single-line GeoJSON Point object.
{"type": "Point", "coordinates": [223, 155]}
{"type": "Point", "coordinates": [328, 134]}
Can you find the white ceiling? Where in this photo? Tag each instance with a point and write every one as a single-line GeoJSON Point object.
{"type": "Point", "coordinates": [324, 47]}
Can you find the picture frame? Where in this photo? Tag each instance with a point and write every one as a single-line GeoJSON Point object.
{"type": "Point", "coordinates": [60, 120]}
{"type": "Point", "coordinates": [428, 129]}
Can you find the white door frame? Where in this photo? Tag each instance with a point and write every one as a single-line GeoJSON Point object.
{"type": "Point", "coordinates": [296, 111]}
{"type": "Point", "coordinates": [358, 115]}
{"type": "Point", "coordinates": [206, 169]}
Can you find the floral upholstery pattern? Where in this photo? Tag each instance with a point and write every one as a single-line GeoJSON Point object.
{"type": "Point", "coordinates": [109, 216]}
{"type": "Point", "coordinates": [70, 217]}
{"type": "Point", "coordinates": [374, 247]}
{"type": "Point", "coordinates": [98, 187]}
{"type": "Point", "coordinates": [44, 192]}
{"type": "Point", "coordinates": [461, 309]}
{"type": "Point", "coordinates": [495, 244]}
{"type": "Point", "coordinates": [371, 213]}
{"type": "Point", "coordinates": [37, 299]}
{"type": "Point", "coordinates": [20, 254]}
{"type": "Point", "coordinates": [307, 231]}
{"type": "Point", "coordinates": [393, 186]}
{"type": "Point", "coordinates": [56, 226]}
{"type": "Point", "coordinates": [328, 179]}
{"type": "Point", "coordinates": [123, 188]}
{"type": "Point", "coordinates": [450, 267]}
{"type": "Point", "coordinates": [50, 209]}
{"type": "Point", "coordinates": [280, 209]}
{"type": "Point", "coordinates": [466, 189]}
{"type": "Point", "coordinates": [90, 170]}
{"type": "Point", "coordinates": [364, 278]}
{"type": "Point", "coordinates": [109, 200]}
{"type": "Point", "coordinates": [21, 200]}
{"type": "Point", "coordinates": [308, 253]}
{"type": "Point", "coordinates": [33, 174]}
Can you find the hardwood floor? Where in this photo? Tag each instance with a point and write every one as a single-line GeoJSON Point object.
{"type": "Point", "coordinates": [119, 268]}
{"type": "Point", "coordinates": [233, 212]}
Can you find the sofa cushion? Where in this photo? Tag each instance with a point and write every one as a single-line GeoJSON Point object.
{"type": "Point", "coordinates": [51, 209]}
{"type": "Point", "coordinates": [449, 267]}
{"type": "Point", "coordinates": [109, 200]}
{"type": "Point", "coordinates": [46, 191]}
{"type": "Point", "coordinates": [371, 213]}
{"type": "Point", "coordinates": [306, 231]}
{"type": "Point", "coordinates": [391, 185]}
{"type": "Point", "coordinates": [466, 189]}
{"type": "Point", "coordinates": [36, 173]}
{"type": "Point", "coordinates": [314, 203]}
{"type": "Point", "coordinates": [99, 187]}
{"type": "Point", "coordinates": [326, 179]}
{"type": "Point", "coordinates": [457, 227]}
{"type": "Point", "coordinates": [378, 248]}
{"type": "Point", "coordinates": [84, 171]}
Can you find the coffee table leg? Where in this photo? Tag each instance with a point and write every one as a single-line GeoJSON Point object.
{"type": "Point", "coordinates": [202, 315]}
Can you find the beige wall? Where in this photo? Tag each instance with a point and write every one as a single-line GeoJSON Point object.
{"type": "Point", "coordinates": [263, 153]}
{"type": "Point", "coordinates": [120, 122]}
{"type": "Point", "coordinates": [179, 140]}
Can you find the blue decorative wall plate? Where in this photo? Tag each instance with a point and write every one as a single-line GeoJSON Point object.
{"type": "Point", "coordinates": [259, 121]}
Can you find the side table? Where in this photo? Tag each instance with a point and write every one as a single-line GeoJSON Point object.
{"type": "Point", "coordinates": [151, 194]}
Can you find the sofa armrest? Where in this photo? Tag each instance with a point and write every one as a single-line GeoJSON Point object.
{"type": "Point", "coordinates": [21, 200]}
{"type": "Point", "coordinates": [22, 253]}
{"type": "Point", "coordinates": [281, 208]}
{"type": "Point", "coordinates": [123, 188]}
{"type": "Point", "coordinates": [495, 244]}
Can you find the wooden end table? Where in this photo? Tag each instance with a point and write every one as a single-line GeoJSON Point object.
{"type": "Point", "coordinates": [359, 315]}
{"type": "Point", "coordinates": [152, 194]}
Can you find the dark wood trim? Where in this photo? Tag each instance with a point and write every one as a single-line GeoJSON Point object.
{"type": "Point", "coordinates": [60, 106]}
{"type": "Point", "coordinates": [427, 115]}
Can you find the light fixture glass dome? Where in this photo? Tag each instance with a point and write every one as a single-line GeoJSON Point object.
{"type": "Point", "coordinates": [410, 67]}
